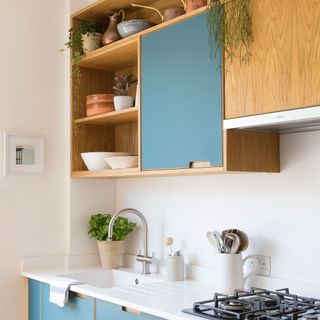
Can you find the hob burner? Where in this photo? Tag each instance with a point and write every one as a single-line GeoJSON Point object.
{"type": "Point", "coordinates": [235, 305]}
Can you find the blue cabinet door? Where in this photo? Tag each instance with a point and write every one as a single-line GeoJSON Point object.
{"type": "Point", "coordinates": [109, 311]}
{"type": "Point", "coordinates": [33, 300]}
{"type": "Point", "coordinates": [76, 309]}
{"type": "Point", "coordinates": [181, 97]}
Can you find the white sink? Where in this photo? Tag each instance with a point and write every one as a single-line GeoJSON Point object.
{"type": "Point", "coordinates": [111, 278]}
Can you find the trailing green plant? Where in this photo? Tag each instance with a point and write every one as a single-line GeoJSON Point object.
{"type": "Point", "coordinates": [85, 27]}
{"type": "Point", "coordinates": [99, 224]}
{"type": "Point", "coordinates": [229, 25]}
{"type": "Point", "coordinates": [75, 43]}
{"type": "Point", "coordinates": [121, 84]}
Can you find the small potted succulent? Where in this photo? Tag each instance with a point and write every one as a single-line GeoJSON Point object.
{"type": "Point", "coordinates": [110, 252]}
{"type": "Point", "coordinates": [121, 86]}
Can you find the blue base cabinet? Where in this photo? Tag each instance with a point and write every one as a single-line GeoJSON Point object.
{"type": "Point", "coordinates": [109, 311]}
{"type": "Point", "coordinates": [181, 86]}
{"type": "Point", "coordinates": [40, 308]}
{"type": "Point", "coordinates": [34, 300]}
{"type": "Point", "coordinates": [76, 309]}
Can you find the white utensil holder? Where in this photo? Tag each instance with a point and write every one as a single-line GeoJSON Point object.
{"type": "Point", "coordinates": [175, 268]}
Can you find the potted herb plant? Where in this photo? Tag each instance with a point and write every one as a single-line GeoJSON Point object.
{"type": "Point", "coordinates": [110, 252]}
{"type": "Point", "coordinates": [90, 35]}
{"type": "Point", "coordinates": [121, 86]}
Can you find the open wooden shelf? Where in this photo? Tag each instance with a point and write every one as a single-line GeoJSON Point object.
{"type": "Point", "coordinates": [124, 53]}
{"type": "Point", "coordinates": [109, 173]}
{"type": "Point", "coordinates": [112, 118]}
{"type": "Point", "coordinates": [118, 55]}
{"type": "Point", "coordinates": [134, 172]}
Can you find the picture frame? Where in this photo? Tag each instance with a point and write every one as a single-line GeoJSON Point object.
{"type": "Point", "coordinates": [23, 154]}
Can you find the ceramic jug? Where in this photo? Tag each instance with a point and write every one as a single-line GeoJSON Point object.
{"type": "Point", "coordinates": [112, 34]}
{"type": "Point", "coordinates": [229, 275]}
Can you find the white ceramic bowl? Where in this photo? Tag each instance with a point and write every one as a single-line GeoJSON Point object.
{"type": "Point", "coordinates": [96, 160]}
{"type": "Point", "coordinates": [122, 162]}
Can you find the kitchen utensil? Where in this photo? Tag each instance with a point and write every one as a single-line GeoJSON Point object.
{"type": "Point", "coordinates": [122, 162]}
{"type": "Point", "coordinates": [217, 238]}
{"type": "Point", "coordinates": [212, 239]}
{"type": "Point", "coordinates": [130, 27]}
{"type": "Point", "coordinates": [168, 242]}
{"type": "Point", "coordinates": [233, 242]}
{"type": "Point", "coordinates": [99, 103]}
{"type": "Point", "coordinates": [112, 34]}
{"type": "Point", "coordinates": [96, 160]}
{"type": "Point", "coordinates": [168, 14]}
{"type": "Point", "coordinates": [244, 240]}
{"type": "Point", "coordinates": [230, 273]}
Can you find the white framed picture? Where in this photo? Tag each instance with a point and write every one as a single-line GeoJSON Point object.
{"type": "Point", "coordinates": [23, 154]}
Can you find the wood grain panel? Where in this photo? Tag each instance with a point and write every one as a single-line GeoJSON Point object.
{"type": "Point", "coordinates": [284, 69]}
{"type": "Point", "coordinates": [90, 138]}
{"type": "Point", "coordinates": [126, 138]}
{"type": "Point", "coordinates": [252, 151]}
{"type": "Point", "coordinates": [102, 8]}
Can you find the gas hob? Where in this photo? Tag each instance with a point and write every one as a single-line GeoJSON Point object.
{"type": "Point", "coordinates": [257, 304]}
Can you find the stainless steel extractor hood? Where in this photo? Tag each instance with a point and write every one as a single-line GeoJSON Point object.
{"type": "Point", "coordinates": [297, 120]}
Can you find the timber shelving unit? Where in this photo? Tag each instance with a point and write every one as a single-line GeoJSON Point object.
{"type": "Point", "coordinates": [120, 130]}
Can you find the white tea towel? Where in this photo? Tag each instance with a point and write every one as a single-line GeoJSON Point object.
{"type": "Point", "coordinates": [59, 290]}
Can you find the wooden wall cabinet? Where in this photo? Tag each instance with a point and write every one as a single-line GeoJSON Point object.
{"type": "Point", "coordinates": [283, 72]}
{"type": "Point", "coordinates": [179, 121]}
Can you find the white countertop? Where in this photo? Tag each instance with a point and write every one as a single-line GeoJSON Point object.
{"type": "Point", "coordinates": [164, 299]}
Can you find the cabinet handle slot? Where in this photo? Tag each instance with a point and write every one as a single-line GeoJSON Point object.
{"type": "Point", "coordinates": [130, 310]}
{"type": "Point", "coordinates": [200, 164]}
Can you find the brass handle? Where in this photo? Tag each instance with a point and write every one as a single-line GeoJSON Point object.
{"type": "Point", "coordinates": [200, 164]}
{"type": "Point", "coordinates": [147, 7]}
{"type": "Point", "coordinates": [130, 310]}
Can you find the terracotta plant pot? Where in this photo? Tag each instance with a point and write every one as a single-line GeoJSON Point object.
{"type": "Point", "coordinates": [91, 42]}
{"type": "Point", "coordinates": [195, 4]}
{"type": "Point", "coordinates": [110, 254]}
{"type": "Point", "coordinates": [99, 103]}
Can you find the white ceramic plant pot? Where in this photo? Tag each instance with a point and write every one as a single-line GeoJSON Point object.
{"type": "Point", "coordinates": [110, 254]}
{"type": "Point", "coordinates": [123, 102]}
{"type": "Point", "coordinates": [91, 41]}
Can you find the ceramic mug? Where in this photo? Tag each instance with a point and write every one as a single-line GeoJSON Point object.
{"type": "Point", "coordinates": [230, 273]}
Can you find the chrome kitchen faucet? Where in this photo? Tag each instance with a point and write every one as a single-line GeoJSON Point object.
{"type": "Point", "coordinates": [145, 259]}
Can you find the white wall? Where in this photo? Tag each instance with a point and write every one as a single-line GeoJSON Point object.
{"type": "Point", "coordinates": [83, 197]}
{"type": "Point", "coordinates": [32, 101]}
{"type": "Point", "coordinates": [280, 212]}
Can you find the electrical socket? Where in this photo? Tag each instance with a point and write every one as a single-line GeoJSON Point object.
{"type": "Point", "coordinates": [260, 264]}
